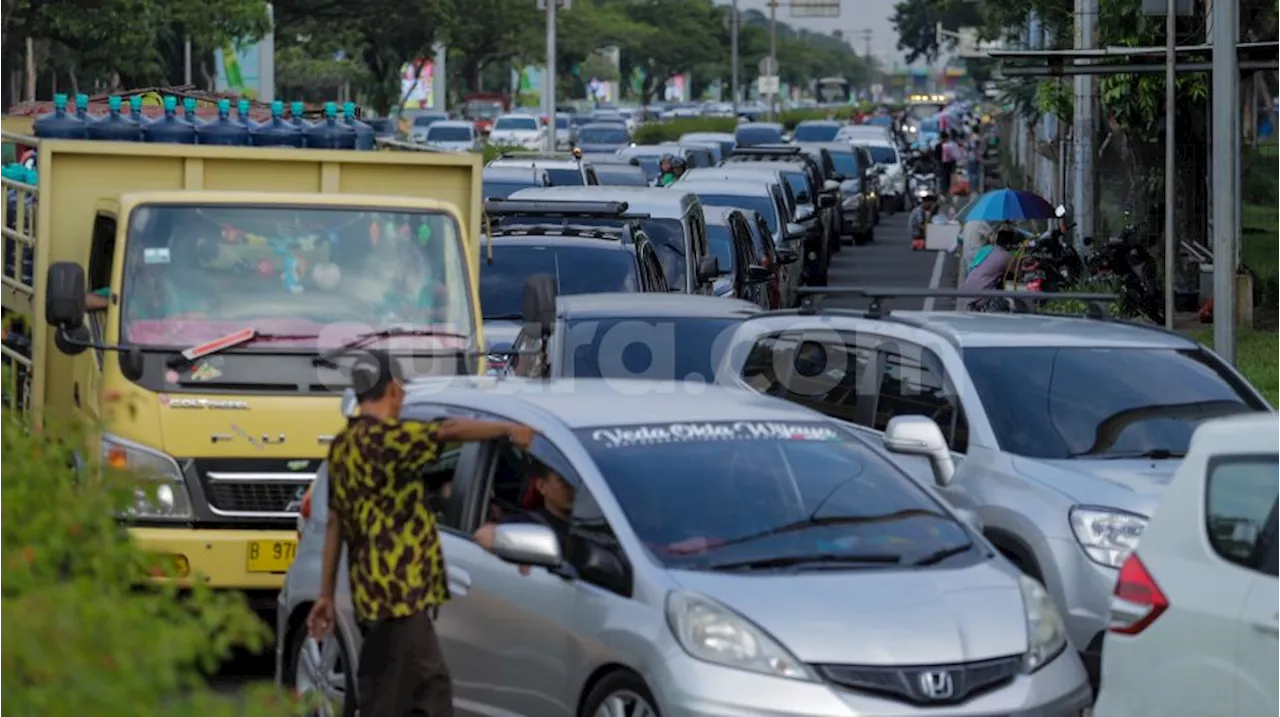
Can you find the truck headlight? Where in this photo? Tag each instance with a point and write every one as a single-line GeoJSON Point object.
{"type": "Point", "coordinates": [162, 492]}
{"type": "Point", "coordinates": [710, 631]}
{"type": "Point", "coordinates": [1107, 536]}
{"type": "Point", "coordinates": [1046, 633]}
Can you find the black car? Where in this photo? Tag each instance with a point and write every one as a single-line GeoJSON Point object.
{"type": "Point", "coordinates": [756, 133]}
{"type": "Point", "coordinates": [858, 205]}
{"type": "Point", "coordinates": [501, 182]}
{"type": "Point", "coordinates": [582, 260]}
{"type": "Point", "coordinates": [672, 337]}
{"type": "Point", "coordinates": [743, 274]}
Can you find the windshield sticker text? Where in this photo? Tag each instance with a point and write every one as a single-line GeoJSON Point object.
{"type": "Point", "coordinates": [736, 431]}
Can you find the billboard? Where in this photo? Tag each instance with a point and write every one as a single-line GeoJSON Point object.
{"type": "Point", "coordinates": [815, 8]}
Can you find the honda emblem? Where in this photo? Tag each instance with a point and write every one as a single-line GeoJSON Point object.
{"type": "Point", "coordinates": [937, 686]}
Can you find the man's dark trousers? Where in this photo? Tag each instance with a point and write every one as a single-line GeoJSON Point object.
{"type": "Point", "coordinates": [402, 670]}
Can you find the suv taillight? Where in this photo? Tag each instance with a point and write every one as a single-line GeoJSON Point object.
{"type": "Point", "coordinates": [1137, 600]}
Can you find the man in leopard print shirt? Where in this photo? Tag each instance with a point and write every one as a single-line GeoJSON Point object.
{"type": "Point", "coordinates": [378, 507]}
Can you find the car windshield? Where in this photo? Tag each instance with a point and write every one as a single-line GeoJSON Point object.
{"type": "Point", "coordinates": [565, 176]}
{"type": "Point", "coordinates": [720, 241]}
{"type": "Point", "coordinates": [667, 349]}
{"type": "Point", "coordinates": [750, 136]}
{"type": "Point", "coordinates": [502, 190]}
{"type": "Point", "coordinates": [194, 273]}
{"type": "Point", "coordinates": [602, 135]}
{"type": "Point", "coordinates": [785, 490]}
{"type": "Point", "coordinates": [815, 132]}
{"type": "Point", "coordinates": [449, 134]}
{"type": "Point", "coordinates": [522, 124]}
{"type": "Point", "coordinates": [762, 205]}
{"type": "Point", "coordinates": [577, 269]}
{"type": "Point", "coordinates": [1099, 402]}
{"type": "Point", "coordinates": [881, 154]}
{"type": "Point", "coordinates": [667, 236]}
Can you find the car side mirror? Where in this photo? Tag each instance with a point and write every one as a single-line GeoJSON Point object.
{"type": "Point", "coordinates": [64, 295]}
{"type": "Point", "coordinates": [527, 544]}
{"type": "Point", "coordinates": [831, 185]}
{"type": "Point", "coordinates": [786, 256]}
{"type": "Point", "coordinates": [793, 231]}
{"type": "Point", "coordinates": [803, 214]}
{"type": "Point", "coordinates": [920, 436]}
{"type": "Point", "coordinates": [350, 405]}
{"type": "Point", "coordinates": [757, 274]}
{"type": "Point", "coordinates": [708, 269]}
{"type": "Point", "coordinates": [826, 200]}
{"type": "Point", "coordinates": [539, 305]}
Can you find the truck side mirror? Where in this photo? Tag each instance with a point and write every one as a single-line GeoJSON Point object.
{"type": "Point", "coordinates": [64, 295]}
{"type": "Point", "coordinates": [539, 305]}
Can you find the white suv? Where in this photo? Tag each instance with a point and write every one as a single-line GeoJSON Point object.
{"type": "Point", "coordinates": [1193, 620]}
{"type": "Point", "coordinates": [523, 131]}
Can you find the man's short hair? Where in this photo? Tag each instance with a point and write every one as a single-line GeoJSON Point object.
{"type": "Point", "coordinates": [372, 373]}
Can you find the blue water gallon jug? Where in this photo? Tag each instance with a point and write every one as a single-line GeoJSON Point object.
{"type": "Point", "coordinates": [170, 129]}
{"type": "Point", "coordinates": [297, 110]}
{"type": "Point", "coordinates": [223, 131]}
{"type": "Point", "coordinates": [329, 133]}
{"type": "Point", "coordinates": [115, 126]}
{"type": "Point", "coordinates": [82, 110]}
{"type": "Point", "coordinates": [364, 133]}
{"type": "Point", "coordinates": [135, 112]}
{"type": "Point", "coordinates": [277, 132]}
{"type": "Point", "coordinates": [59, 124]}
{"type": "Point", "coordinates": [242, 116]}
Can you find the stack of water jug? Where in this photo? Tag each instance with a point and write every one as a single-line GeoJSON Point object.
{"type": "Point", "coordinates": [335, 131]}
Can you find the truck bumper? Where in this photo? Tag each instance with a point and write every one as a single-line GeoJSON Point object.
{"type": "Point", "coordinates": [218, 558]}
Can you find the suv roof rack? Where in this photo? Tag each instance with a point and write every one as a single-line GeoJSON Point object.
{"type": "Point", "coordinates": [1022, 300]}
{"type": "Point", "coordinates": [552, 208]}
{"type": "Point", "coordinates": [766, 151]}
{"type": "Point", "coordinates": [560, 230]}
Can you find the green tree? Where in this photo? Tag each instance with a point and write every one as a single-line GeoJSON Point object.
{"type": "Point", "coordinates": [486, 32]}
{"type": "Point", "coordinates": [916, 22]}
{"type": "Point", "coordinates": [682, 35]}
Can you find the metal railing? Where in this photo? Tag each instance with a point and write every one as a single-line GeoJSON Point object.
{"type": "Point", "coordinates": [17, 286]}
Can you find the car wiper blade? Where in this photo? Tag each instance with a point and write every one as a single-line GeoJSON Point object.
{"type": "Point", "coordinates": [938, 556]}
{"type": "Point", "coordinates": [784, 561]}
{"type": "Point", "coordinates": [326, 359]}
{"type": "Point", "coordinates": [1155, 454]}
{"type": "Point", "coordinates": [239, 338]}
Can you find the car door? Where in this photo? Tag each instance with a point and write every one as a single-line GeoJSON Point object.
{"type": "Point", "coordinates": [1240, 520]}
{"type": "Point", "coordinates": [508, 637]}
{"type": "Point", "coordinates": [744, 257]}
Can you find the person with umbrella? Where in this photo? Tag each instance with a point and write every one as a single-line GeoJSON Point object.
{"type": "Point", "coordinates": [999, 208]}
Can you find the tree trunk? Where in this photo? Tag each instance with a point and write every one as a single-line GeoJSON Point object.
{"type": "Point", "coordinates": [472, 69]}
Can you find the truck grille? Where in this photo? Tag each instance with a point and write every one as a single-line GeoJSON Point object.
{"type": "Point", "coordinates": [255, 488]}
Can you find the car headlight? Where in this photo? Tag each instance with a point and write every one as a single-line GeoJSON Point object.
{"type": "Point", "coordinates": [167, 498]}
{"type": "Point", "coordinates": [1107, 536]}
{"type": "Point", "coordinates": [1046, 633]}
{"type": "Point", "coordinates": [710, 631]}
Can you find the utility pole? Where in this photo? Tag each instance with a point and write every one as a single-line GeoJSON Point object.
{"type": "Point", "coordinates": [549, 95]}
{"type": "Point", "coordinates": [866, 42]}
{"type": "Point", "coordinates": [186, 60]}
{"type": "Point", "coordinates": [1170, 170]}
{"type": "Point", "coordinates": [733, 53]}
{"type": "Point", "coordinates": [31, 71]}
{"type": "Point", "coordinates": [773, 55]}
{"type": "Point", "coordinates": [1086, 12]}
{"type": "Point", "coordinates": [1226, 79]}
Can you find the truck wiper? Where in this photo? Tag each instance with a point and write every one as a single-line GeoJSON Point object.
{"type": "Point", "coordinates": [230, 341]}
{"type": "Point", "coordinates": [784, 561]}
{"type": "Point", "coordinates": [326, 359]}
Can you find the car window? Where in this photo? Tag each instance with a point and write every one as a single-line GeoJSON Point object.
{"type": "Point", "coordinates": [785, 490]}
{"type": "Point", "coordinates": [501, 190]}
{"type": "Point", "coordinates": [881, 154]}
{"type": "Point", "coordinates": [815, 132]}
{"type": "Point", "coordinates": [1082, 402]}
{"type": "Point", "coordinates": [827, 371]}
{"type": "Point", "coordinates": [799, 184]}
{"type": "Point", "coordinates": [447, 503]}
{"type": "Point", "coordinates": [603, 135]}
{"type": "Point", "coordinates": [913, 383]}
{"type": "Point", "coordinates": [594, 550]}
{"type": "Point", "coordinates": [722, 246]}
{"type": "Point", "coordinates": [577, 269]}
{"type": "Point", "coordinates": [750, 136]}
{"type": "Point", "coordinates": [565, 176]}
{"type": "Point", "coordinates": [524, 124]}
{"type": "Point", "coordinates": [761, 204]}
{"type": "Point", "coordinates": [846, 164]}
{"type": "Point", "coordinates": [667, 236]}
{"type": "Point", "coordinates": [1240, 507]}
{"type": "Point", "coordinates": [661, 349]}
{"type": "Point", "coordinates": [438, 133]}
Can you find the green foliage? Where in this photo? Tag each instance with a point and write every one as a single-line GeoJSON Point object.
{"type": "Point", "coordinates": [1055, 98]}
{"type": "Point", "coordinates": [82, 636]}
{"type": "Point", "coordinates": [671, 130]}
{"type": "Point", "coordinates": [1079, 308]}
{"type": "Point", "coordinates": [916, 22]}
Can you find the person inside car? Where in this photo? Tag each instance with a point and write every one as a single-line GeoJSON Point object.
{"type": "Point", "coordinates": [677, 168]}
{"type": "Point", "coordinates": [554, 509]}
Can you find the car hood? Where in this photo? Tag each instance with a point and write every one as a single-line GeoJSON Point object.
{"type": "Point", "coordinates": [1129, 484]}
{"type": "Point", "coordinates": [500, 335]}
{"type": "Point", "coordinates": [879, 617]}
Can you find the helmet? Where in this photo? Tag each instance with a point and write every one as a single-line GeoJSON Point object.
{"type": "Point", "coordinates": [677, 163]}
{"type": "Point", "coordinates": [667, 159]}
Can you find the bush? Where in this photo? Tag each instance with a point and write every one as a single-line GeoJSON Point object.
{"type": "Point", "coordinates": [671, 130]}
{"type": "Point", "coordinates": [84, 636]}
{"type": "Point", "coordinates": [1080, 308]}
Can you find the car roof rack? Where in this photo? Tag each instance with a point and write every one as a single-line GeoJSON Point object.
{"type": "Point", "coordinates": [1022, 301]}
{"type": "Point", "coordinates": [758, 151]}
{"type": "Point", "coordinates": [553, 208]}
{"type": "Point", "coordinates": [559, 230]}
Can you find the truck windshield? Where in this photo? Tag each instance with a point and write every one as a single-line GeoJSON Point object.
{"type": "Point", "coordinates": [195, 273]}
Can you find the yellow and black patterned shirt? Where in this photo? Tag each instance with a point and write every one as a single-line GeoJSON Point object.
{"type": "Point", "coordinates": [379, 490]}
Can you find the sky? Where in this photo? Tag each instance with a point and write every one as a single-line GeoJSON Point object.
{"type": "Point", "coordinates": [855, 16]}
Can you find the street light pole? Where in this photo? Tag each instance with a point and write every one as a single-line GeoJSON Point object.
{"type": "Point", "coordinates": [1225, 220]}
{"type": "Point", "coordinates": [1170, 171]}
{"type": "Point", "coordinates": [773, 55]}
{"type": "Point", "coordinates": [733, 54]}
{"type": "Point", "coordinates": [549, 98]}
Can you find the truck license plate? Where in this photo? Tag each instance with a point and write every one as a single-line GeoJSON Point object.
{"type": "Point", "coordinates": [271, 556]}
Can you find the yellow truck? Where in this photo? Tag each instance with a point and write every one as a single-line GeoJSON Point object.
{"type": "Point", "coordinates": [195, 306]}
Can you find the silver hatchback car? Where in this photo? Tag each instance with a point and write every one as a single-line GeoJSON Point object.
{"type": "Point", "coordinates": [729, 554]}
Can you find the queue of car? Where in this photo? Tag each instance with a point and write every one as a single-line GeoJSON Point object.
{"type": "Point", "coordinates": [782, 508]}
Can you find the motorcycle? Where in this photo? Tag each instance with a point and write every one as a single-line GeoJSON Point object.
{"type": "Point", "coordinates": [1126, 258]}
{"type": "Point", "coordinates": [1050, 262]}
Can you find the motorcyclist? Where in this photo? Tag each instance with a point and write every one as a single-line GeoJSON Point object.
{"type": "Point", "coordinates": [666, 170]}
{"type": "Point", "coordinates": [919, 220]}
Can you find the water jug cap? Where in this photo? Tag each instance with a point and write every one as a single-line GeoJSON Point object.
{"type": "Point", "coordinates": [277, 108]}
{"type": "Point", "coordinates": [349, 109]}
{"type": "Point", "coordinates": [296, 108]}
{"type": "Point", "coordinates": [189, 104]}
{"type": "Point", "coordinates": [60, 101]}
{"type": "Point", "coordinates": [224, 107]}
{"type": "Point", "coordinates": [135, 102]}
{"type": "Point", "coordinates": [330, 109]}
{"type": "Point", "coordinates": [170, 103]}
{"type": "Point", "coordinates": [114, 103]}
{"type": "Point", "coordinates": [243, 107]}
{"type": "Point", "coordinates": [82, 101]}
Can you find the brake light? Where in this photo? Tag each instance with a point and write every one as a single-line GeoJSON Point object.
{"type": "Point", "coordinates": [1137, 600]}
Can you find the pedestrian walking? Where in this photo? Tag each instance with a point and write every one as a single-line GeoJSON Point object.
{"type": "Point", "coordinates": [379, 509]}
